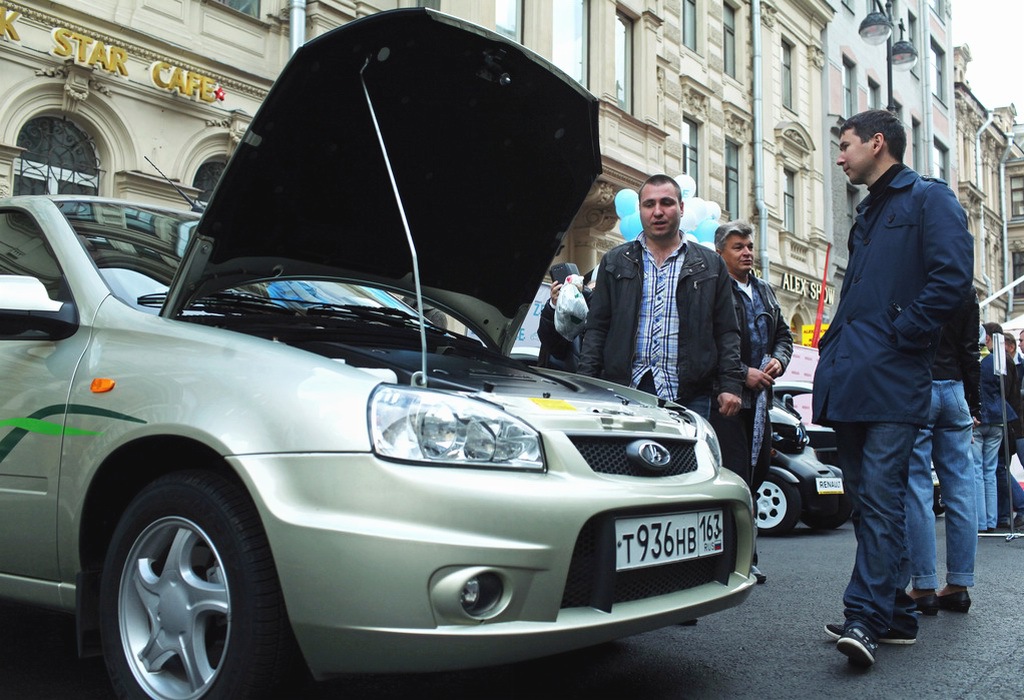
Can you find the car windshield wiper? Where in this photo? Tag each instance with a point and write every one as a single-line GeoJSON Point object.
{"type": "Point", "coordinates": [234, 303]}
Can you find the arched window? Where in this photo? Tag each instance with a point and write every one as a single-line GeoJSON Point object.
{"type": "Point", "coordinates": [59, 158]}
{"type": "Point", "coordinates": [206, 178]}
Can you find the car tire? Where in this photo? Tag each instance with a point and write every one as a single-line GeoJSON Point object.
{"type": "Point", "coordinates": [213, 625]}
{"type": "Point", "coordinates": [830, 522]}
{"type": "Point", "coordinates": [778, 506]}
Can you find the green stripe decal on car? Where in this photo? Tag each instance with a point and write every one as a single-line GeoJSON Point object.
{"type": "Point", "coordinates": [36, 424]}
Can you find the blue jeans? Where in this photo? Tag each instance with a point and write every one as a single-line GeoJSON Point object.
{"type": "Point", "coordinates": [946, 443]}
{"type": "Point", "coordinates": [875, 459]}
{"type": "Point", "coordinates": [987, 439]}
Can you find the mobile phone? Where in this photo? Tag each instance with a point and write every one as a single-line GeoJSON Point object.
{"type": "Point", "coordinates": [559, 271]}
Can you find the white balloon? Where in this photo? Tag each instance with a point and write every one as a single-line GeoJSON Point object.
{"type": "Point", "coordinates": [688, 221]}
{"type": "Point", "coordinates": [714, 211]}
{"type": "Point", "coordinates": [690, 238]}
{"type": "Point", "coordinates": [687, 185]}
{"type": "Point", "coordinates": [697, 206]}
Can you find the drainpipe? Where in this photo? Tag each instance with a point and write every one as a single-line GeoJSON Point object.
{"type": "Point", "coordinates": [981, 217]}
{"type": "Point", "coordinates": [762, 209]}
{"type": "Point", "coordinates": [1002, 217]}
{"type": "Point", "coordinates": [926, 87]}
{"type": "Point", "coordinates": [296, 25]}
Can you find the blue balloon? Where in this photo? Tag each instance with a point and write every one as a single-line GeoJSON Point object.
{"type": "Point", "coordinates": [630, 226]}
{"type": "Point", "coordinates": [705, 231]}
{"type": "Point", "coordinates": [626, 203]}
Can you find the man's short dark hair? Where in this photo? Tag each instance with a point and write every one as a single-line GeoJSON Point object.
{"type": "Point", "coordinates": [992, 328]}
{"type": "Point", "coordinates": [879, 121]}
{"type": "Point", "coordinates": [662, 179]}
{"type": "Point", "coordinates": [732, 228]}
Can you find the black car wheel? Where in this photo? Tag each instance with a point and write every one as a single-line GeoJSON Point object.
{"type": "Point", "coordinates": [830, 522]}
{"type": "Point", "coordinates": [190, 602]}
{"type": "Point", "coordinates": [778, 506]}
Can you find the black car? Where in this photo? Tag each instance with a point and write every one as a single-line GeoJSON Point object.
{"type": "Point", "coordinates": [799, 486]}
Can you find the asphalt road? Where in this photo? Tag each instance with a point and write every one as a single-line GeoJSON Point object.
{"type": "Point", "coordinates": [770, 647]}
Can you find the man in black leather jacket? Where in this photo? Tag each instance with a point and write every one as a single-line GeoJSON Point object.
{"type": "Point", "coordinates": [661, 316]}
{"type": "Point", "coordinates": [766, 347]}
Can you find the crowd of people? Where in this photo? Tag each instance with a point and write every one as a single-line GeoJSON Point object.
{"type": "Point", "coordinates": [900, 375]}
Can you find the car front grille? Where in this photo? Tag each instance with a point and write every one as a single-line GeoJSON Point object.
{"type": "Point", "coordinates": [607, 455]}
{"type": "Point", "coordinates": [593, 581]}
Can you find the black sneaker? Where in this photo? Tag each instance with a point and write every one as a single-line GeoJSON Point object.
{"type": "Point", "coordinates": [890, 637]}
{"type": "Point", "coordinates": [758, 574]}
{"type": "Point", "coordinates": [857, 644]}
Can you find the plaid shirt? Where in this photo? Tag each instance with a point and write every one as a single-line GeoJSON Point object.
{"type": "Point", "coordinates": [657, 338]}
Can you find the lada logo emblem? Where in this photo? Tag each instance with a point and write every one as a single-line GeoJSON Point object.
{"type": "Point", "coordinates": [648, 455]}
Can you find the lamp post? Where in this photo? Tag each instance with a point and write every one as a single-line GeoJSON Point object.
{"type": "Point", "coordinates": [877, 28]}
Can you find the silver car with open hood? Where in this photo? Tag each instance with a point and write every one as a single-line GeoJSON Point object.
{"type": "Point", "coordinates": [236, 442]}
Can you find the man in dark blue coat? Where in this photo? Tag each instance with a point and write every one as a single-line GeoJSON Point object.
{"type": "Point", "coordinates": [911, 264]}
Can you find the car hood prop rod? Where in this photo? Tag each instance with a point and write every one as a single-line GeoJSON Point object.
{"type": "Point", "coordinates": [418, 378]}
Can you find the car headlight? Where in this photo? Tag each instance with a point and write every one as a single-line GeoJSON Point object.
{"type": "Point", "coordinates": [705, 431]}
{"type": "Point", "coordinates": [433, 427]}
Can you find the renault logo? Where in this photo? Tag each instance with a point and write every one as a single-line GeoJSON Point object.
{"type": "Point", "coordinates": [648, 455]}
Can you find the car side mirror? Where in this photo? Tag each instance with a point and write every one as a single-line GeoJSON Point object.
{"type": "Point", "coordinates": [28, 313]}
{"type": "Point", "coordinates": [787, 399]}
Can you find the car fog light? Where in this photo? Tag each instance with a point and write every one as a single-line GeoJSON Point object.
{"type": "Point", "coordinates": [480, 594]}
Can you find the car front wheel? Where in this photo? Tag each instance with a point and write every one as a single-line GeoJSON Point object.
{"type": "Point", "coordinates": [778, 506]}
{"type": "Point", "coordinates": [190, 601]}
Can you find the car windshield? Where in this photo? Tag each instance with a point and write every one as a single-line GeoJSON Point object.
{"type": "Point", "coordinates": [137, 249]}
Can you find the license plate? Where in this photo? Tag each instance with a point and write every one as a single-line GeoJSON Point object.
{"type": "Point", "coordinates": [830, 484]}
{"type": "Point", "coordinates": [663, 539]}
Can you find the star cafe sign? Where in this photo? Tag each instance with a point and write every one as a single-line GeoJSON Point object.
{"type": "Point", "coordinates": [87, 51]}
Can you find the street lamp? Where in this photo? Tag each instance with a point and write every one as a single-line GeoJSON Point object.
{"type": "Point", "coordinates": [876, 29]}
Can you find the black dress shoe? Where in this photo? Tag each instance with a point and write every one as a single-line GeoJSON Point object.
{"type": "Point", "coordinates": [956, 602]}
{"type": "Point", "coordinates": [758, 574]}
{"type": "Point", "coordinates": [927, 604]}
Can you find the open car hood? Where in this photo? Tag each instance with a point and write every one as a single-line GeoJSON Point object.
{"type": "Point", "coordinates": [492, 150]}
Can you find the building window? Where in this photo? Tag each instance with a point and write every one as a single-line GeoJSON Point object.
{"type": "Point", "coordinates": [789, 202]}
{"type": "Point", "coordinates": [729, 39]}
{"type": "Point", "coordinates": [59, 158]}
{"type": "Point", "coordinates": [690, 24]}
{"type": "Point", "coordinates": [874, 94]}
{"type": "Point", "coordinates": [849, 89]}
{"type": "Point", "coordinates": [569, 47]}
{"type": "Point", "coordinates": [691, 150]}
{"type": "Point", "coordinates": [938, 72]}
{"type": "Point", "coordinates": [939, 7]}
{"type": "Point", "coordinates": [1017, 196]}
{"type": "Point", "coordinates": [1018, 271]}
{"type": "Point", "coordinates": [940, 166]}
{"type": "Point", "coordinates": [912, 38]}
{"type": "Point", "coordinates": [848, 4]}
{"type": "Point", "coordinates": [787, 75]}
{"type": "Point", "coordinates": [732, 179]}
{"type": "Point", "coordinates": [508, 19]}
{"type": "Point", "coordinates": [624, 62]}
{"type": "Point", "coordinates": [852, 199]}
{"type": "Point", "coordinates": [916, 146]}
{"type": "Point", "coordinates": [249, 7]}
{"type": "Point", "coordinates": [429, 4]}
{"type": "Point", "coordinates": [207, 176]}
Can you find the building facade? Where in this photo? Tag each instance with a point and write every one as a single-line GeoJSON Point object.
{"type": "Point", "coordinates": [746, 96]}
{"type": "Point", "coordinates": [921, 96]}
{"type": "Point", "coordinates": [991, 163]}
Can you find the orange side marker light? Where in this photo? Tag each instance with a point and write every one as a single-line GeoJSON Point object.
{"type": "Point", "coordinates": [101, 385]}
